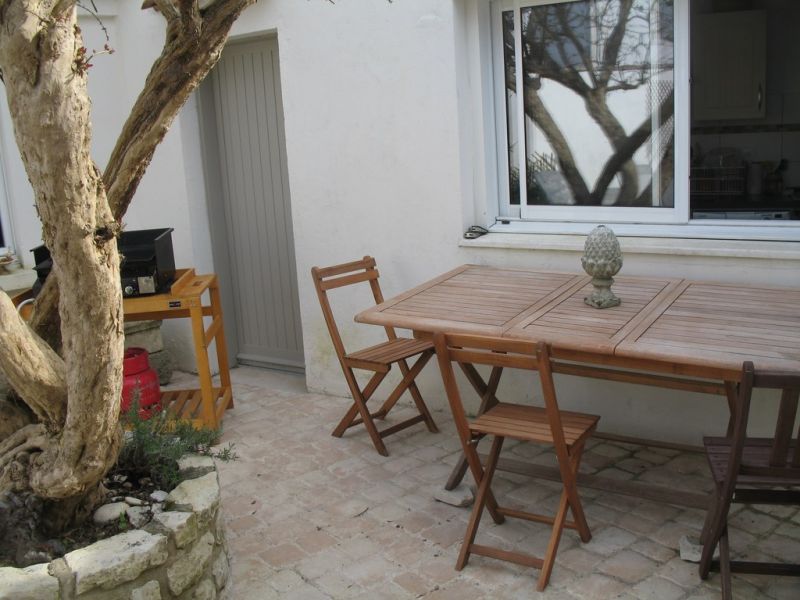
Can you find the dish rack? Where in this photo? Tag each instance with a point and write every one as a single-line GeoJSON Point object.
{"type": "Point", "coordinates": [718, 181]}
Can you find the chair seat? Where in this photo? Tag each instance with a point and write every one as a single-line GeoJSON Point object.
{"type": "Point", "coordinates": [755, 456]}
{"type": "Point", "coordinates": [380, 357]}
{"type": "Point", "coordinates": [530, 423]}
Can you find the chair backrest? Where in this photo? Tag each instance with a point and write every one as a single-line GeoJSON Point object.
{"type": "Point", "coordinates": [502, 353]}
{"type": "Point", "coordinates": [336, 276]}
{"type": "Point", "coordinates": [784, 450]}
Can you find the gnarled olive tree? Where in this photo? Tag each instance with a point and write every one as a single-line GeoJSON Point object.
{"type": "Point", "coordinates": [66, 366]}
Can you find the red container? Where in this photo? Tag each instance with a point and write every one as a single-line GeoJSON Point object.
{"type": "Point", "coordinates": [138, 377]}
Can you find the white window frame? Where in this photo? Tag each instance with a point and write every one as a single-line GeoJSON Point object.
{"type": "Point", "coordinates": [633, 221]}
{"type": "Point", "coordinates": [5, 211]}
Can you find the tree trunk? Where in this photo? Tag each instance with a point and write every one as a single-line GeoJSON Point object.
{"type": "Point", "coordinates": [192, 47]}
{"type": "Point", "coordinates": [77, 399]}
{"type": "Point", "coordinates": [64, 453]}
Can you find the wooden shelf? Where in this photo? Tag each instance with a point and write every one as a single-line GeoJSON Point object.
{"type": "Point", "coordinates": [191, 296]}
{"type": "Point", "coordinates": [206, 405]}
{"type": "Point", "coordinates": [187, 404]}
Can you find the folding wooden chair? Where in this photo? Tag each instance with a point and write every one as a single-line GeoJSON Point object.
{"type": "Point", "coordinates": [378, 359]}
{"type": "Point", "coordinates": [752, 470]}
{"type": "Point", "coordinates": [566, 431]}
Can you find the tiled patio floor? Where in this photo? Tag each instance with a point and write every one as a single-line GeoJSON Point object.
{"type": "Point", "coordinates": [311, 516]}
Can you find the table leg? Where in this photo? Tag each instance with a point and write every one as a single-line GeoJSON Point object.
{"type": "Point", "coordinates": [488, 400]}
{"type": "Point", "coordinates": [731, 391]}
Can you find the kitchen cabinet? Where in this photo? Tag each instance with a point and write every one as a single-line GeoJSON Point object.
{"type": "Point", "coordinates": [729, 63]}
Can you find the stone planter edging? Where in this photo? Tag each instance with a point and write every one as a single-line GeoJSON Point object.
{"type": "Point", "coordinates": [180, 555]}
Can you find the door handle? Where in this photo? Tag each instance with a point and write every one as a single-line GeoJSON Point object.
{"type": "Point", "coordinates": [760, 96]}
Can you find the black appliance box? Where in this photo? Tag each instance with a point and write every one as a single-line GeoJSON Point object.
{"type": "Point", "coordinates": [147, 261]}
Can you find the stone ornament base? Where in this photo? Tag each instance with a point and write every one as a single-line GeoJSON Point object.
{"type": "Point", "coordinates": [180, 554]}
{"type": "Point", "coordinates": [602, 296]}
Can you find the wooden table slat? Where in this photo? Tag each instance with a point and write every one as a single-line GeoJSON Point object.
{"type": "Point", "coordinates": [668, 325]}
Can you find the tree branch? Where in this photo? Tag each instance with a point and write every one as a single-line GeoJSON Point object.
{"type": "Point", "coordinates": [174, 76]}
{"type": "Point", "coordinates": [19, 439]}
{"type": "Point", "coordinates": [32, 368]}
{"type": "Point", "coordinates": [166, 8]}
{"type": "Point", "coordinates": [627, 147]}
{"type": "Point", "coordinates": [537, 111]}
{"type": "Point", "coordinates": [614, 42]}
{"type": "Point", "coordinates": [53, 132]}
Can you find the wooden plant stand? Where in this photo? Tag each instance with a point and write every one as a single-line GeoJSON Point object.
{"type": "Point", "coordinates": [203, 407]}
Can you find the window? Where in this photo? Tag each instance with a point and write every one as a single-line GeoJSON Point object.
{"type": "Point", "coordinates": [5, 220]}
{"type": "Point", "coordinates": [592, 117]}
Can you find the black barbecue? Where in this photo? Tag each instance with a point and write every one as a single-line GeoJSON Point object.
{"type": "Point", "coordinates": [147, 262]}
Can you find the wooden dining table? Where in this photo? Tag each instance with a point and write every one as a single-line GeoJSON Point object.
{"type": "Point", "coordinates": [670, 333]}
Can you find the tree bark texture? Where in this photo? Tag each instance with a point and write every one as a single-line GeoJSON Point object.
{"type": "Point", "coordinates": [45, 84]}
{"type": "Point", "coordinates": [63, 456]}
{"type": "Point", "coordinates": [192, 46]}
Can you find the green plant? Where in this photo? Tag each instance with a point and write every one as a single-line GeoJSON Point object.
{"type": "Point", "coordinates": [154, 441]}
{"type": "Point", "coordinates": [122, 522]}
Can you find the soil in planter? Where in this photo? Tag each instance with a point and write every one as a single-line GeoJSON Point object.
{"type": "Point", "coordinates": [24, 544]}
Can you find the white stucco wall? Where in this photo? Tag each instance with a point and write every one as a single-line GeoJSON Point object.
{"type": "Point", "coordinates": [380, 112]}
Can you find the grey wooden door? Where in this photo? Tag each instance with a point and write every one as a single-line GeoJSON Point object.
{"type": "Point", "coordinates": [249, 204]}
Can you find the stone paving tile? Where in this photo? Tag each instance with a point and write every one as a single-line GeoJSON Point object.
{"type": "Point", "coordinates": [627, 566]}
{"type": "Point", "coordinates": [657, 588]}
{"type": "Point", "coordinates": [313, 517]}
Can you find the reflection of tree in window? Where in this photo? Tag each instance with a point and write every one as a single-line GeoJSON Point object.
{"type": "Point", "coordinates": [615, 57]}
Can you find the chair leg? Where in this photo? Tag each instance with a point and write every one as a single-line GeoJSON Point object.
{"type": "Point", "coordinates": [725, 565]}
{"type": "Point", "coordinates": [569, 500]}
{"type": "Point", "coordinates": [484, 491]}
{"type": "Point", "coordinates": [575, 504]}
{"type": "Point", "coordinates": [711, 514]}
{"type": "Point", "coordinates": [353, 411]}
{"type": "Point", "coordinates": [488, 399]}
{"type": "Point", "coordinates": [417, 397]}
{"type": "Point", "coordinates": [712, 533]}
{"type": "Point", "coordinates": [457, 473]}
{"type": "Point", "coordinates": [552, 546]}
{"type": "Point", "coordinates": [474, 462]}
{"type": "Point", "coordinates": [360, 403]}
{"type": "Point", "coordinates": [409, 375]}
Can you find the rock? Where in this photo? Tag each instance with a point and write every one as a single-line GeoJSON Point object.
{"type": "Point", "coordinates": [120, 558]}
{"type": "Point", "coordinates": [461, 495]}
{"type": "Point", "coordinates": [158, 496]}
{"type": "Point", "coordinates": [205, 591]}
{"type": "Point", "coordinates": [130, 500]}
{"type": "Point", "coordinates": [34, 557]}
{"type": "Point", "coordinates": [199, 495]}
{"type": "Point", "coordinates": [30, 583]}
{"type": "Point", "coordinates": [182, 526]}
{"type": "Point", "coordinates": [144, 334]}
{"type": "Point", "coordinates": [138, 516]}
{"type": "Point", "coordinates": [187, 569]}
{"type": "Point", "coordinates": [149, 591]}
{"type": "Point", "coordinates": [33, 503]}
{"type": "Point", "coordinates": [164, 365]}
{"type": "Point", "coordinates": [56, 547]}
{"type": "Point", "coordinates": [194, 465]}
{"type": "Point", "coordinates": [691, 549]}
{"type": "Point", "coordinates": [221, 570]}
{"type": "Point", "coordinates": [109, 512]}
